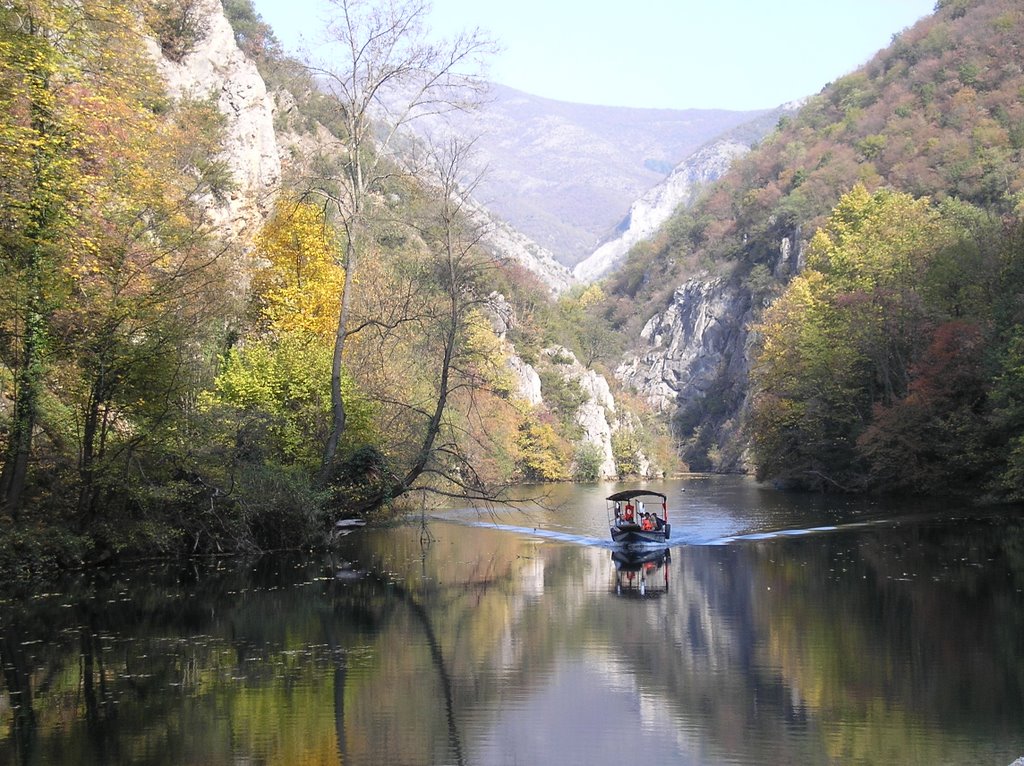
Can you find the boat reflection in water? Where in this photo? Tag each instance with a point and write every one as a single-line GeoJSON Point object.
{"type": "Point", "coordinates": [641, 573]}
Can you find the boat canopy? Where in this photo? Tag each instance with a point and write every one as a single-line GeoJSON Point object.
{"type": "Point", "coordinates": [630, 494]}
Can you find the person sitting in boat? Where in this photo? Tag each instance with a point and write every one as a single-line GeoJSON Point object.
{"type": "Point", "coordinates": [646, 524]}
{"type": "Point", "coordinates": [628, 513]}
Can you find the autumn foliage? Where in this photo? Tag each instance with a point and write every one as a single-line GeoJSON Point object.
{"type": "Point", "coordinates": [877, 367]}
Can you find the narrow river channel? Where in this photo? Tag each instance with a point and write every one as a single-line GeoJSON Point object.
{"type": "Point", "coordinates": [775, 629]}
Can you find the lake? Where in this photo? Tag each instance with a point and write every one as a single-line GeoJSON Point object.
{"type": "Point", "coordinates": [775, 629]}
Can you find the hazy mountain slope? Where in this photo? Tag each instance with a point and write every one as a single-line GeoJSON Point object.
{"type": "Point", "coordinates": [565, 174]}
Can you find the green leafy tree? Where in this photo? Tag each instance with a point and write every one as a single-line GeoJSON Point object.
{"type": "Point", "coordinates": [843, 337]}
{"type": "Point", "coordinates": [147, 287]}
{"type": "Point", "coordinates": [627, 448]}
{"type": "Point", "coordinates": [88, 191]}
{"type": "Point", "coordinates": [933, 440]}
{"type": "Point", "coordinates": [586, 462]}
{"type": "Point", "coordinates": [42, 177]}
{"type": "Point", "coordinates": [545, 455]}
{"type": "Point", "coordinates": [1008, 418]}
{"type": "Point", "coordinates": [281, 374]}
{"type": "Point", "coordinates": [179, 26]}
{"type": "Point", "coordinates": [281, 382]}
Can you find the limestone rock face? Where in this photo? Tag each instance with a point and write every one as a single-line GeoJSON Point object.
{"type": "Point", "coordinates": [593, 415]}
{"type": "Point", "coordinates": [686, 344]}
{"type": "Point", "coordinates": [217, 67]}
{"type": "Point", "coordinates": [502, 317]}
{"type": "Point", "coordinates": [695, 359]}
{"type": "Point", "coordinates": [655, 207]}
{"type": "Point", "coordinates": [527, 380]}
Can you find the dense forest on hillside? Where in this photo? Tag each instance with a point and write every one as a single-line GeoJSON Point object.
{"type": "Point", "coordinates": [894, 360]}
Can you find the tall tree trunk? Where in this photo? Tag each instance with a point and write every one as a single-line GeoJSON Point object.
{"type": "Point", "coordinates": [26, 405]}
{"type": "Point", "coordinates": [46, 210]}
{"type": "Point", "coordinates": [338, 415]}
{"type": "Point", "coordinates": [92, 448]}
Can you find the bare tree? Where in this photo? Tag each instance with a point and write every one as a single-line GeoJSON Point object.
{"type": "Point", "coordinates": [462, 272]}
{"type": "Point", "coordinates": [387, 75]}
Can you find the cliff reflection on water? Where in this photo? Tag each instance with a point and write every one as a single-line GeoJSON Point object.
{"type": "Point", "coordinates": [886, 636]}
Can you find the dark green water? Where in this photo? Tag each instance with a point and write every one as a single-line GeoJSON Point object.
{"type": "Point", "coordinates": [778, 630]}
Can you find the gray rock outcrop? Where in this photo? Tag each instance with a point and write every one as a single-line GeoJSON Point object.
{"type": "Point", "coordinates": [656, 206]}
{"type": "Point", "coordinates": [693, 361]}
{"type": "Point", "coordinates": [526, 378]}
{"type": "Point", "coordinates": [593, 414]}
{"type": "Point", "coordinates": [216, 67]}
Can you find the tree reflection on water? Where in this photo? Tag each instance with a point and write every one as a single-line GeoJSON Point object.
{"type": "Point", "coordinates": [894, 643]}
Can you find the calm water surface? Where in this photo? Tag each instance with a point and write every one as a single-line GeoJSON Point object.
{"type": "Point", "coordinates": [774, 630]}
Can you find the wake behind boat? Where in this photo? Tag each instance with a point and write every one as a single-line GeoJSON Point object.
{"type": "Point", "coordinates": [634, 520]}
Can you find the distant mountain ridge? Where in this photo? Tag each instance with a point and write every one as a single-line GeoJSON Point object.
{"type": "Point", "coordinates": [566, 174]}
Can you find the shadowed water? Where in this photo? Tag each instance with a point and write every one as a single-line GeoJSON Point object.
{"type": "Point", "coordinates": [773, 630]}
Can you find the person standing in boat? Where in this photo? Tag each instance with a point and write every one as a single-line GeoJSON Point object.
{"type": "Point", "coordinates": [628, 514]}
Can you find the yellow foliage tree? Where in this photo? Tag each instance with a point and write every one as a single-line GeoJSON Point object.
{"type": "Point", "coordinates": [300, 284]}
{"type": "Point", "coordinates": [545, 455]}
{"type": "Point", "coordinates": [284, 374]}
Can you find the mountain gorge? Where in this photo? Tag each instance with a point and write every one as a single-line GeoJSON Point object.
{"type": "Point", "coordinates": [169, 325]}
{"type": "Point", "coordinates": [801, 291]}
{"type": "Point", "coordinates": [565, 174]}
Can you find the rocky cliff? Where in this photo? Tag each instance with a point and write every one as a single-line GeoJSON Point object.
{"type": "Point", "coordinates": [692, 362]}
{"type": "Point", "coordinates": [215, 67]}
{"type": "Point", "coordinates": [254, 150]}
{"type": "Point", "coordinates": [657, 204]}
{"type": "Point", "coordinates": [596, 415]}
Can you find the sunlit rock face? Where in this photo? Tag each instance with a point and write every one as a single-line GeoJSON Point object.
{"type": "Point", "coordinates": [656, 206]}
{"type": "Point", "coordinates": [527, 380]}
{"type": "Point", "coordinates": [692, 360]}
{"type": "Point", "coordinates": [686, 344]}
{"type": "Point", "coordinates": [597, 414]}
{"type": "Point", "coordinates": [694, 365]}
{"type": "Point", "coordinates": [215, 67]}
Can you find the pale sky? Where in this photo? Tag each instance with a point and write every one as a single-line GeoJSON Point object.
{"type": "Point", "coordinates": [730, 54]}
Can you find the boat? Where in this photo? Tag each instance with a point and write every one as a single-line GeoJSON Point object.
{"type": "Point", "coordinates": [626, 514]}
